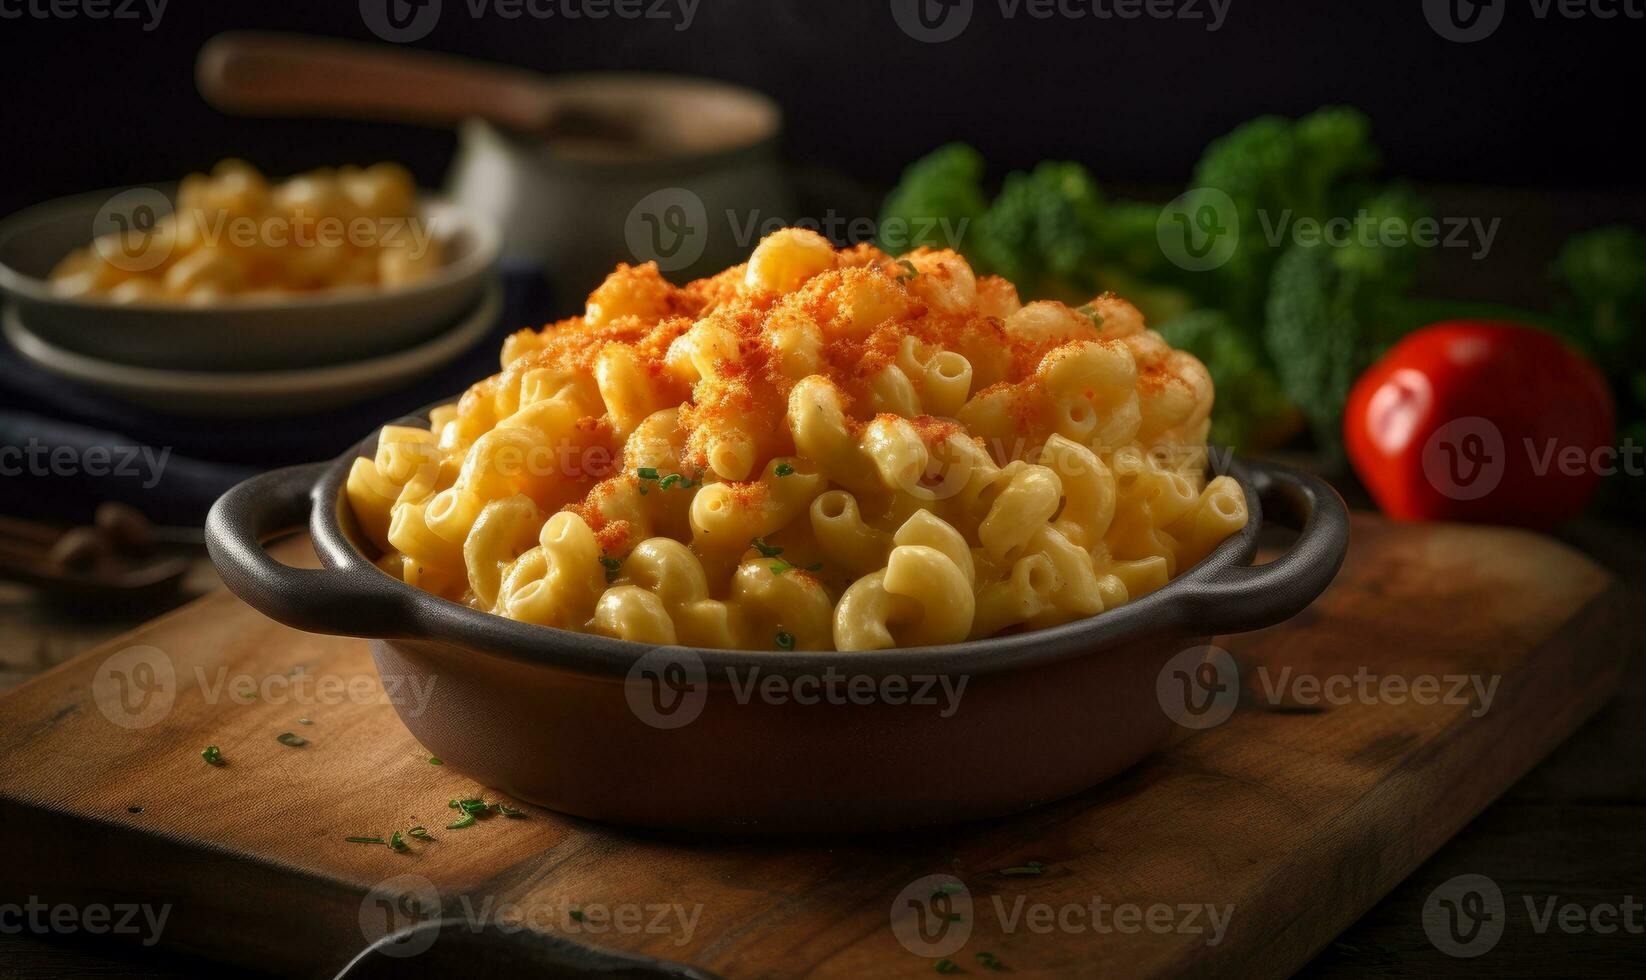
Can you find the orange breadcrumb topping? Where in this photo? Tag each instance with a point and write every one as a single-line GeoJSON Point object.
{"type": "Point", "coordinates": [861, 312]}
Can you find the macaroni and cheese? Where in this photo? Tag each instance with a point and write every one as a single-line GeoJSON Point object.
{"type": "Point", "coordinates": [816, 450]}
{"type": "Point", "coordinates": [234, 235]}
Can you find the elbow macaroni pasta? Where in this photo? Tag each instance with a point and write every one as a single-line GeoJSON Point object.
{"type": "Point", "coordinates": [816, 450]}
{"type": "Point", "coordinates": [234, 235]}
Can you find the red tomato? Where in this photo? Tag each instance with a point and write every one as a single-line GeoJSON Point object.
{"type": "Point", "coordinates": [1480, 421]}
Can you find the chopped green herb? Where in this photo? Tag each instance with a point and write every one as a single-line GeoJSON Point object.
{"type": "Point", "coordinates": [784, 469]}
{"type": "Point", "coordinates": [1027, 869]}
{"type": "Point", "coordinates": [949, 888]}
{"type": "Point", "coordinates": [946, 965]}
{"type": "Point", "coordinates": [779, 567]}
{"type": "Point", "coordinates": [989, 961]}
{"type": "Point", "coordinates": [213, 755]}
{"type": "Point", "coordinates": [1091, 314]}
{"type": "Point", "coordinates": [576, 914]}
{"type": "Point", "coordinates": [909, 271]}
{"type": "Point", "coordinates": [365, 840]}
{"type": "Point", "coordinates": [785, 640]}
{"type": "Point", "coordinates": [613, 567]}
{"type": "Point", "coordinates": [288, 738]}
{"type": "Point", "coordinates": [473, 808]}
{"type": "Point", "coordinates": [420, 832]}
{"type": "Point", "coordinates": [955, 917]}
{"type": "Point", "coordinates": [643, 490]}
{"type": "Point", "coordinates": [398, 843]}
{"type": "Point", "coordinates": [680, 480]}
{"type": "Point", "coordinates": [435, 761]}
{"type": "Point", "coordinates": [766, 550]}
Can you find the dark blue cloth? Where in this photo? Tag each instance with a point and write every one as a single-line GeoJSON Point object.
{"type": "Point", "coordinates": [65, 448]}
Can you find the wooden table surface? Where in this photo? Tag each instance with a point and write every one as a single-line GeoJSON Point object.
{"type": "Point", "coordinates": [1569, 832]}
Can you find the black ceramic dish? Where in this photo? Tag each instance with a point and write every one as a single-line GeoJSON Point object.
{"type": "Point", "coordinates": [672, 737]}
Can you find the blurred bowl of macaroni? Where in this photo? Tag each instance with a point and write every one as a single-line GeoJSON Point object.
{"type": "Point", "coordinates": [233, 271]}
{"type": "Point", "coordinates": [831, 541]}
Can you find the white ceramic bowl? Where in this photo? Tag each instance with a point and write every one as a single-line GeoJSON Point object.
{"type": "Point", "coordinates": [304, 330]}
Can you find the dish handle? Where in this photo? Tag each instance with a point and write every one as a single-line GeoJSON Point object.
{"type": "Point", "coordinates": [356, 600]}
{"type": "Point", "coordinates": [1240, 598]}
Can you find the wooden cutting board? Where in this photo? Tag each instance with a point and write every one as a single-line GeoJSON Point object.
{"type": "Point", "coordinates": [1284, 823]}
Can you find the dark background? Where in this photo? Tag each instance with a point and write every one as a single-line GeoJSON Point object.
{"type": "Point", "coordinates": [1545, 103]}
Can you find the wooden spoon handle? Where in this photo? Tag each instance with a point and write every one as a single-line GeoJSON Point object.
{"type": "Point", "coordinates": [259, 73]}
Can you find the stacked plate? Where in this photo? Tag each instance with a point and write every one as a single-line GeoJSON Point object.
{"type": "Point", "coordinates": [251, 357]}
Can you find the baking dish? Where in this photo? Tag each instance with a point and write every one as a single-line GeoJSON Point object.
{"type": "Point", "coordinates": [766, 742]}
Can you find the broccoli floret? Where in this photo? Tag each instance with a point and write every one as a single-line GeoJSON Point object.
{"type": "Point", "coordinates": [1043, 231]}
{"type": "Point", "coordinates": [1313, 333]}
{"type": "Point", "coordinates": [1331, 310]}
{"type": "Point", "coordinates": [937, 203]}
{"type": "Point", "coordinates": [1604, 274]}
{"type": "Point", "coordinates": [1276, 172]}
